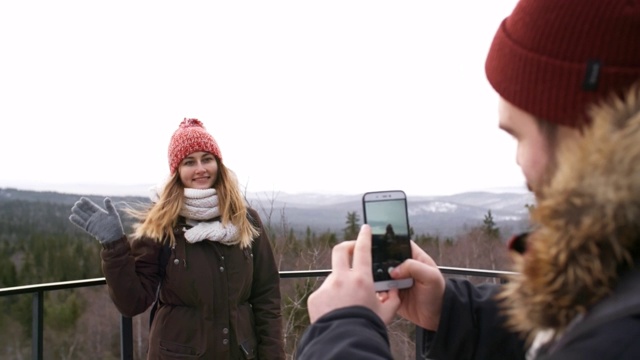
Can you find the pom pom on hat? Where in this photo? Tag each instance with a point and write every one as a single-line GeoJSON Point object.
{"type": "Point", "coordinates": [190, 137]}
{"type": "Point", "coordinates": [554, 58]}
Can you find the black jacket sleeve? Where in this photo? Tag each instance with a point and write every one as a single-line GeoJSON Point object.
{"type": "Point", "coordinates": [471, 326]}
{"type": "Point", "coordinates": [349, 333]}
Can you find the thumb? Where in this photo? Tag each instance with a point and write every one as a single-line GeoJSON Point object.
{"type": "Point", "coordinates": [421, 267]}
{"type": "Point", "coordinates": [419, 271]}
{"type": "Point", "coordinates": [109, 206]}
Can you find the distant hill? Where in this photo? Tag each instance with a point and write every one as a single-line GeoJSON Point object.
{"type": "Point", "coordinates": [434, 215]}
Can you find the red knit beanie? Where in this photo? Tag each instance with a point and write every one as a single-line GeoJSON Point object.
{"type": "Point", "coordinates": [553, 58]}
{"type": "Point", "coordinates": [190, 137]}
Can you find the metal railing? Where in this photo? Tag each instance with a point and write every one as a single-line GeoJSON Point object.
{"type": "Point", "coordinates": [126, 327]}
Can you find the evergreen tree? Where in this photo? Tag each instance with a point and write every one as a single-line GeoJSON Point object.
{"type": "Point", "coordinates": [353, 226]}
{"type": "Point", "coordinates": [489, 226]}
{"type": "Point", "coordinates": [308, 238]}
{"type": "Point", "coordinates": [292, 242]}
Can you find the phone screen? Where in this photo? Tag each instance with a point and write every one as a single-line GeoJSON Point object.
{"type": "Point", "coordinates": [386, 214]}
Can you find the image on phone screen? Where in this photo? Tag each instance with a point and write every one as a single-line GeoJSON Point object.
{"type": "Point", "coordinates": [386, 213]}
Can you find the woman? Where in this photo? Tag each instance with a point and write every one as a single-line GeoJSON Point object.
{"type": "Point", "coordinates": [202, 252]}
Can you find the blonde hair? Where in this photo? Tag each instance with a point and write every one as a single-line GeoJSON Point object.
{"type": "Point", "coordinates": [158, 220]}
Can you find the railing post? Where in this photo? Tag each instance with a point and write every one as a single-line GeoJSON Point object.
{"type": "Point", "coordinates": [37, 324]}
{"type": "Point", "coordinates": [126, 338]}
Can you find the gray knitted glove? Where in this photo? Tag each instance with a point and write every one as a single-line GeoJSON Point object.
{"type": "Point", "coordinates": [103, 225]}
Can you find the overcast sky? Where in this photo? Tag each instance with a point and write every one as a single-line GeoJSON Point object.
{"type": "Point", "coordinates": [326, 96]}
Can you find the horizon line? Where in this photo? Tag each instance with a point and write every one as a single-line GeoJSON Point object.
{"type": "Point", "coordinates": [143, 190]}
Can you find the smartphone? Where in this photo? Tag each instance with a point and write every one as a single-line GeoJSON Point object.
{"type": "Point", "coordinates": [387, 215]}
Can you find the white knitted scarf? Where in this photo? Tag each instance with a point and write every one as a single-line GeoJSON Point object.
{"type": "Point", "coordinates": [199, 206]}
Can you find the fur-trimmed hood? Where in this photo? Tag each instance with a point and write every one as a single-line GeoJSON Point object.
{"type": "Point", "coordinates": [587, 224]}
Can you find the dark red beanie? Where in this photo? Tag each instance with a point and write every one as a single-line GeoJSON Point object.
{"type": "Point", "coordinates": [553, 58]}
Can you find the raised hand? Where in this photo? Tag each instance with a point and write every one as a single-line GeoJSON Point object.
{"type": "Point", "coordinates": [352, 286]}
{"type": "Point", "coordinates": [104, 225]}
{"type": "Point", "coordinates": [422, 303]}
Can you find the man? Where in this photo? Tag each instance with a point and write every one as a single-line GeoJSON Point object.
{"type": "Point", "coordinates": [568, 76]}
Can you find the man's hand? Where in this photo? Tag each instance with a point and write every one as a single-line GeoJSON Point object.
{"type": "Point", "coordinates": [104, 225]}
{"type": "Point", "coordinates": [347, 286]}
{"type": "Point", "coordinates": [422, 303]}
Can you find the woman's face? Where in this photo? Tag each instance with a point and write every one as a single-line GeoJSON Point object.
{"type": "Point", "coordinates": [198, 170]}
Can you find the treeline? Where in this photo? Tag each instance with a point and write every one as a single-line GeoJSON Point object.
{"type": "Point", "coordinates": [38, 244]}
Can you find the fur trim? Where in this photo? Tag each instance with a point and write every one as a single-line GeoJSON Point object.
{"type": "Point", "coordinates": [587, 224]}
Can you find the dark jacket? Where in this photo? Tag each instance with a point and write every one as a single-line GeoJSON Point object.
{"type": "Point", "coordinates": [470, 327]}
{"type": "Point", "coordinates": [610, 330]}
{"type": "Point", "coordinates": [349, 333]}
{"type": "Point", "coordinates": [215, 301]}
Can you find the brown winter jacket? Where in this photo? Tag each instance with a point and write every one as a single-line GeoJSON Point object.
{"type": "Point", "coordinates": [215, 301]}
